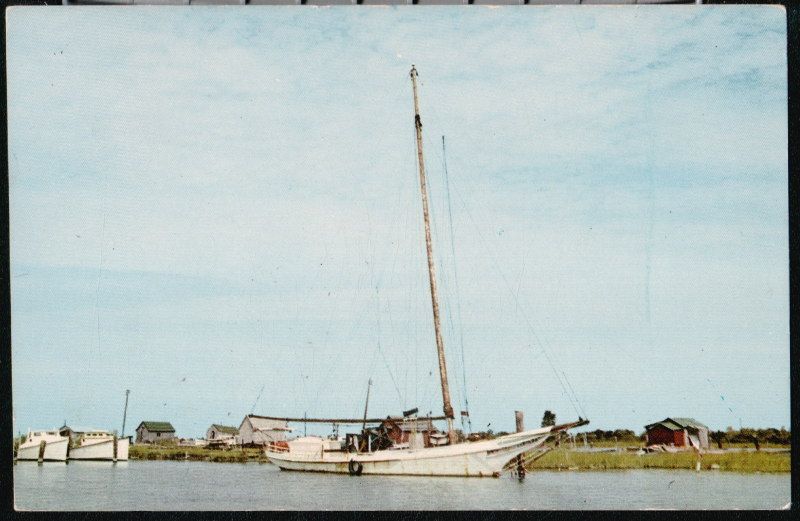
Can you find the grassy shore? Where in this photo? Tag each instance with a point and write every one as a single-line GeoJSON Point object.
{"type": "Point", "coordinates": [558, 459]}
{"type": "Point", "coordinates": [564, 459]}
{"type": "Point", "coordinates": [160, 452]}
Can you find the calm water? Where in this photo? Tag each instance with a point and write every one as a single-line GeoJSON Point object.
{"type": "Point", "coordinates": [175, 485]}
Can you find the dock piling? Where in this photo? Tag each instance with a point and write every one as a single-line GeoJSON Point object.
{"type": "Point", "coordinates": [520, 418]}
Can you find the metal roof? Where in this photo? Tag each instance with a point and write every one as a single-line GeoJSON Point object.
{"type": "Point", "coordinates": [688, 422]}
{"type": "Point", "coordinates": [676, 424]}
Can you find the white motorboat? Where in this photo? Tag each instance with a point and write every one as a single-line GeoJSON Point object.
{"type": "Point", "coordinates": [99, 445]}
{"type": "Point", "coordinates": [43, 446]}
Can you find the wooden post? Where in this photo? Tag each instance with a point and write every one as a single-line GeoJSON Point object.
{"type": "Point", "coordinates": [366, 406]}
{"type": "Point", "coordinates": [40, 457]}
{"type": "Point", "coordinates": [520, 417]}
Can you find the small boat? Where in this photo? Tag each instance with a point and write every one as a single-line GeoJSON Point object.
{"type": "Point", "coordinates": [43, 446]}
{"type": "Point", "coordinates": [392, 448]}
{"type": "Point", "coordinates": [99, 445]}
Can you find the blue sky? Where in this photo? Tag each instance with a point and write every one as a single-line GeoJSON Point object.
{"type": "Point", "coordinates": [218, 209]}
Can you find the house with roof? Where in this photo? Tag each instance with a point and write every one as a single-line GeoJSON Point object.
{"type": "Point", "coordinates": [222, 435]}
{"type": "Point", "coordinates": [260, 430]}
{"type": "Point", "coordinates": [154, 432]}
{"type": "Point", "coordinates": [677, 432]}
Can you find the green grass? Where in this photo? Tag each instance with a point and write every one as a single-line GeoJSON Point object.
{"type": "Point", "coordinates": [558, 459]}
{"type": "Point", "coordinates": [156, 452]}
{"type": "Point", "coordinates": [639, 443]}
{"type": "Point", "coordinates": [563, 459]}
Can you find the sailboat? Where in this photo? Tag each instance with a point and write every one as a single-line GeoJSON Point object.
{"type": "Point", "coordinates": [408, 445]}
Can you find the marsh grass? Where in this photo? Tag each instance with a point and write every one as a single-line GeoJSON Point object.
{"type": "Point", "coordinates": [558, 459]}
{"type": "Point", "coordinates": [563, 459]}
{"type": "Point", "coordinates": [177, 453]}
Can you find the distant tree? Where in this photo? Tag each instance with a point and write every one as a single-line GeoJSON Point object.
{"type": "Point", "coordinates": [549, 419]}
{"type": "Point", "coordinates": [718, 437]}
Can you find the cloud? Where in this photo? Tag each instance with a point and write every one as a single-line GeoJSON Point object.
{"type": "Point", "coordinates": [245, 186]}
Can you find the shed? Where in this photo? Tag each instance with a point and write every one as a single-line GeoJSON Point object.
{"type": "Point", "coordinates": [222, 434]}
{"type": "Point", "coordinates": [677, 432]}
{"type": "Point", "coordinates": [260, 430]}
{"type": "Point", "coordinates": [154, 432]}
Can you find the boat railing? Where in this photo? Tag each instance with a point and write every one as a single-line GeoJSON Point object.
{"type": "Point", "coordinates": [278, 447]}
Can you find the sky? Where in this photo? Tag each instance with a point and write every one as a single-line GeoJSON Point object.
{"type": "Point", "coordinates": [218, 209]}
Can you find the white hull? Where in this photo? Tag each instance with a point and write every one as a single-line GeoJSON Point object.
{"type": "Point", "coordinates": [476, 459]}
{"type": "Point", "coordinates": [122, 449]}
{"type": "Point", "coordinates": [28, 453]}
{"type": "Point", "coordinates": [53, 451]}
{"type": "Point", "coordinates": [103, 450]}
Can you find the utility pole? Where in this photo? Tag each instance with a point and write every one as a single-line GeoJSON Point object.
{"type": "Point", "coordinates": [125, 412]}
{"type": "Point", "coordinates": [448, 408]}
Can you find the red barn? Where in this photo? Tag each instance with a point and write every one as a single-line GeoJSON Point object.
{"type": "Point", "coordinates": [678, 432]}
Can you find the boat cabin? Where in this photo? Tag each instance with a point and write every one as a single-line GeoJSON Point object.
{"type": "Point", "coordinates": [42, 436]}
{"type": "Point", "coordinates": [413, 432]}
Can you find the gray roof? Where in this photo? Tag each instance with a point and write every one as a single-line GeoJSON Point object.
{"type": "Point", "coordinates": [677, 424]}
{"type": "Point", "coordinates": [260, 423]}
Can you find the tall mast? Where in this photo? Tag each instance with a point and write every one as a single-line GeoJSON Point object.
{"type": "Point", "coordinates": [448, 409]}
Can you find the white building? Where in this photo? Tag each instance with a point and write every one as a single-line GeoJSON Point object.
{"type": "Point", "coordinates": [260, 430]}
{"type": "Point", "coordinates": [222, 434]}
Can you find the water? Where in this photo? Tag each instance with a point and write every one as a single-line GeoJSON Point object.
{"type": "Point", "coordinates": [177, 485]}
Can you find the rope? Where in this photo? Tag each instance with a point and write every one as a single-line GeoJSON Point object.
{"type": "Point", "coordinates": [516, 300]}
{"type": "Point", "coordinates": [458, 294]}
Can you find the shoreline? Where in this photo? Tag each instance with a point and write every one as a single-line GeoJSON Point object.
{"type": "Point", "coordinates": [771, 462]}
{"type": "Point", "coordinates": [177, 453]}
{"type": "Point", "coordinates": [748, 462]}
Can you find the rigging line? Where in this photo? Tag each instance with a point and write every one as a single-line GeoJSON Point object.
{"type": "Point", "coordinates": [573, 394]}
{"type": "Point", "coordinates": [455, 279]}
{"type": "Point", "coordinates": [527, 320]}
{"type": "Point", "coordinates": [525, 317]}
{"type": "Point", "coordinates": [253, 408]}
{"type": "Point", "coordinates": [442, 275]}
{"type": "Point", "coordinates": [446, 292]}
{"type": "Point", "coordinates": [380, 350]}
